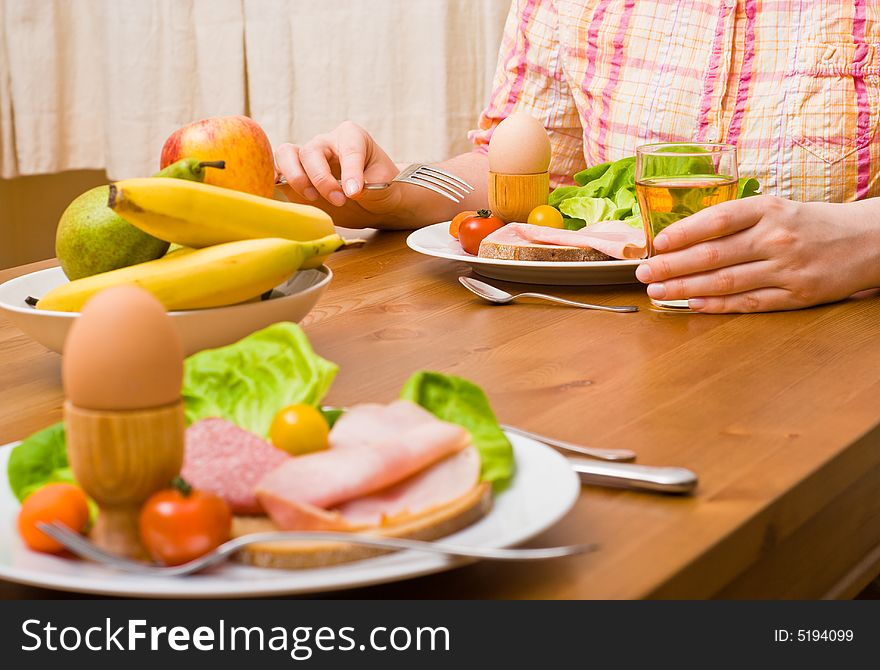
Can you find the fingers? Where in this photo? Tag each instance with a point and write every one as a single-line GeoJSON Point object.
{"type": "Point", "coordinates": [352, 152]}
{"type": "Point", "coordinates": [289, 165]}
{"type": "Point", "coordinates": [759, 300]}
{"type": "Point", "coordinates": [719, 220]}
{"type": "Point", "coordinates": [733, 249]}
{"type": "Point", "coordinates": [723, 281]}
{"type": "Point", "coordinates": [314, 158]}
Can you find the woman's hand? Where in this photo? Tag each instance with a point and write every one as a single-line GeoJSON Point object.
{"type": "Point", "coordinates": [348, 154]}
{"type": "Point", "coordinates": [765, 253]}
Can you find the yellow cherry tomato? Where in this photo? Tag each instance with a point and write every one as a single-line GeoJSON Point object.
{"type": "Point", "coordinates": [299, 429]}
{"type": "Point", "coordinates": [545, 215]}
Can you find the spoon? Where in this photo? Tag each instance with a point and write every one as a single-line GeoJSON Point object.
{"type": "Point", "coordinates": [498, 297]}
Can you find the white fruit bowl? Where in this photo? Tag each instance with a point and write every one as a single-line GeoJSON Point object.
{"type": "Point", "coordinates": [199, 328]}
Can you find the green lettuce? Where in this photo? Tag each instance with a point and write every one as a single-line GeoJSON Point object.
{"type": "Point", "coordinates": [38, 460]}
{"type": "Point", "coordinates": [249, 381]}
{"type": "Point", "coordinates": [747, 187]}
{"type": "Point", "coordinates": [588, 209]}
{"type": "Point", "coordinates": [459, 401]}
{"type": "Point", "coordinates": [607, 191]}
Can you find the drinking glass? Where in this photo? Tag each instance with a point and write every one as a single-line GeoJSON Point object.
{"type": "Point", "coordinates": [674, 181]}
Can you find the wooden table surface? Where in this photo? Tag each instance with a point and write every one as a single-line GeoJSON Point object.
{"type": "Point", "coordinates": [779, 414]}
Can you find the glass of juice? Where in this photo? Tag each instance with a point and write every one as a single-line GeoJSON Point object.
{"type": "Point", "coordinates": [674, 181]}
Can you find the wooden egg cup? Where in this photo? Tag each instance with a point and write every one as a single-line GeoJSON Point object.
{"type": "Point", "coordinates": [120, 458]}
{"type": "Point", "coordinates": [513, 196]}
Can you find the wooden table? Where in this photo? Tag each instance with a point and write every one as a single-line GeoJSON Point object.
{"type": "Point", "coordinates": [779, 414]}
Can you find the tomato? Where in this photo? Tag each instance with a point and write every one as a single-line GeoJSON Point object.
{"type": "Point", "coordinates": [457, 220]}
{"type": "Point", "coordinates": [299, 429]}
{"type": "Point", "coordinates": [53, 502]}
{"type": "Point", "coordinates": [545, 215]}
{"type": "Point", "coordinates": [476, 228]}
{"type": "Point", "coordinates": [179, 524]}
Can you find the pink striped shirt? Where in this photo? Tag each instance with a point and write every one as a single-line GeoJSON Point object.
{"type": "Point", "coordinates": [795, 84]}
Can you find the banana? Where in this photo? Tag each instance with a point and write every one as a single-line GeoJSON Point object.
{"type": "Point", "coordinates": [200, 215]}
{"type": "Point", "coordinates": [224, 274]}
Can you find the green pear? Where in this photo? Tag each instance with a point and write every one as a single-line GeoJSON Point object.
{"type": "Point", "coordinates": [91, 238]}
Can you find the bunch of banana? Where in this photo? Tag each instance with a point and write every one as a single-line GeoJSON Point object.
{"type": "Point", "coordinates": [235, 246]}
{"type": "Point", "coordinates": [224, 274]}
{"type": "Point", "coordinates": [200, 215]}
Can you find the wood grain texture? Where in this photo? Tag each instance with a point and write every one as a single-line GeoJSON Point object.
{"type": "Point", "coordinates": [513, 196]}
{"type": "Point", "coordinates": [120, 458]}
{"type": "Point", "coordinates": [777, 413]}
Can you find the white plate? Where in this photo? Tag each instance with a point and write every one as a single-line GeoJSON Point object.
{"type": "Point", "coordinates": [436, 241]}
{"type": "Point", "coordinates": [543, 490]}
{"type": "Point", "coordinates": [199, 328]}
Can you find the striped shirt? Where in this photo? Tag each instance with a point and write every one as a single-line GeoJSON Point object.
{"type": "Point", "coordinates": [794, 84]}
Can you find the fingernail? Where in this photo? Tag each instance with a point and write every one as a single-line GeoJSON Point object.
{"type": "Point", "coordinates": [697, 303]}
{"type": "Point", "coordinates": [310, 194]}
{"type": "Point", "coordinates": [336, 198]}
{"type": "Point", "coordinates": [643, 273]}
{"type": "Point", "coordinates": [657, 290]}
{"type": "Point", "coordinates": [351, 187]}
{"type": "Point", "coordinates": [661, 242]}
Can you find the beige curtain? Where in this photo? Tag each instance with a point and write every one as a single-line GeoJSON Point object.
{"type": "Point", "coordinates": [101, 83]}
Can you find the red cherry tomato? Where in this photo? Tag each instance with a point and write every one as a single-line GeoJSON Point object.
{"type": "Point", "coordinates": [179, 524]}
{"type": "Point", "coordinates": [457, 219]}
{"type": "Point", "coordinates": [475, 229]}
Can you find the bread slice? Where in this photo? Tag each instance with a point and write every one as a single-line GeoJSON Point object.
{"type": "Point", "coordinates": [539, 252]}
{"type": "Point", "coordinates": [429, 525]}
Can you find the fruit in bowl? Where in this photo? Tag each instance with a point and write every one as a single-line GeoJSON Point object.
{"type": "Point", "coordinates": [91, 238]}
{"type": "Point", "coordinates": [237, 140]}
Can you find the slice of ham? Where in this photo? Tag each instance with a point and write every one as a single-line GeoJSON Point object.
{"type": "Point", "coordinates": [365, 424]}
{"type": "Point", "coordinates": [300, 493]}
{"type": "Point", "coordinates": [229, 461]}
{"type": "Point", "coordinates": [441, 483]}
{"type": "Point", "coordinates": [615, 238]}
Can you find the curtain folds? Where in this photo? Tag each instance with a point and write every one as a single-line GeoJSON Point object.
{"type": "Point", "coordinates": [101, 83]}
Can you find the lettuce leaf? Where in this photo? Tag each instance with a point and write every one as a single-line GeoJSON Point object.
{"type": "Point", "coordinates": [588, 209]}
{"type": "Point", "coordinates": [459, 401]}
{"type": "Point", "coordinates": [38, 460]}
{"type": "Point", "coordinates": [747, 187]}
{"type": "Point", "coordinates": [249, 381]}
{"type": "Point", "coordinates": [608, 191]}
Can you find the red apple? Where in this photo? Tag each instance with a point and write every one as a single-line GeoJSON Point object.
{"type": "Point", "coordinates": [238, 140]}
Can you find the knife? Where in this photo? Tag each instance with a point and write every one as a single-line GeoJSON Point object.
{"type": "Point", "coordinates": [651, 478]}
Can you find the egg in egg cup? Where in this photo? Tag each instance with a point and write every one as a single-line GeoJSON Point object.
{"type": "Point", "coordinates": [519, 162]}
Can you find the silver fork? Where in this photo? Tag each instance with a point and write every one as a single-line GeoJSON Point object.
{"type": "Point", "coordinates": [424, 175]}
{"type": "Point", "coordinates": [83, 547]}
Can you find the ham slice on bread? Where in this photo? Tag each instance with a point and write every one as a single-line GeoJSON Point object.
{"type": "Point", "coordinates": [373, 447]}
{"type": "Point", "coordinates": [603, 240]}
{"type": "Point", "coordinates": [447, 480]}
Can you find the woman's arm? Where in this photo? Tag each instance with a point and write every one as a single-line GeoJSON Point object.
{"type": "Point", "coordinates": [350, 152]}
{"type": "Point", "coordinates": [765, 253]}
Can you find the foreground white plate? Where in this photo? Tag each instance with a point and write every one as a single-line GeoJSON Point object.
{"type": "Point", "coordinates": [543, 490]}
{"type": "Point", "coordinates": [436, 241]}
{"type": "Point", "coordinates": [199, 328]}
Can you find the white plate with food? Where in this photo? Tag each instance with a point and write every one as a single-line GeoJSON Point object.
{"type": "Point", "coordinates": [260, 453]}
{"type": "Point", "coordinates": [435, 240]}
{"type": "Point", "coordinates": [199, 328]}
{"type": "Point", "coordinates": [540, 494]}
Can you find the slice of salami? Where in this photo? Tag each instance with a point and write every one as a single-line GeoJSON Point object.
{"type": "Point", "coordinates": [227, 460]}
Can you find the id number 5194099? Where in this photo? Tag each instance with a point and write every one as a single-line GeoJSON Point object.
{"type": "Point", "coordinates": [812, 635]}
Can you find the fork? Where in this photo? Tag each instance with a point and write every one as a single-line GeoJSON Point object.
{"type": "Point", "coordinates": [424, 175]}
{"type": "Point", "coordinates": [83, 547]}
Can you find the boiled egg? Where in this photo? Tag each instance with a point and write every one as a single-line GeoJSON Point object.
{"type": "Point", "coordinates": [519, 145]}
{"type": "Point", "coordinates": [122, 353]}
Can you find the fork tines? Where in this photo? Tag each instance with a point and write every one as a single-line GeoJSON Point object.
{"type": "Point", "coordinates": [437, 180]}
